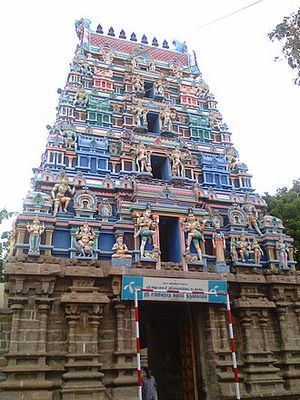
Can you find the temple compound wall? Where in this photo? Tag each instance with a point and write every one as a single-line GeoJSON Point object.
{"type": "Point", "coordinates": [72, 337]}
{"type": "Point", "coordinates": [140, 179]}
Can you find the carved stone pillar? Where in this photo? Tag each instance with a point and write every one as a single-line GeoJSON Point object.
{"type": "Point", "coordinates": [43, 309]}
{"type": "Point", "coordinates": [281, 311]}
{"type": "Point", "coordinates": [246, 326]}
{"type": "Point", "coordinates": [20, 239]}
{"type": "Point", "coordinates": [263, 323]}
{"type": "Point", "coordinates": [26, 368]}
{"type": "Point", "coordinates": [120, 311]}
{"type": "Point", "coordinates": [287, 312]}
{"type": "Point", "coordinates": [16, 309]}
{"type": "Point", "coordinates": [124, 384]}
{"type": "Point", "coordinates": [289, 364]}
{"type": "Point", "coordinates": [220, 349]}
{"type": "Point", "coordinates": [48, 239]}
{"type": "Point", "coordinates": [260, 374]}
{"type": "Point", "coordinates": [297, 312]}
{"type": "Point", "coordinates": [271, 253]}
{"type": "Point", "coordinates": [84, 309]}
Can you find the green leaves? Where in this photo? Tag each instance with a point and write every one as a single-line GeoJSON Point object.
{"type": "Point", "coordinates": [4, 240]}
{"type": "Point", "coordinates": [285, 204]}
{"type": "Point", "coordinates": [288, 32]}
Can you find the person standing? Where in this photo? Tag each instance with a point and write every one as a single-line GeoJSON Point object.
{"type": "Point", "coordinates": [149, 386]}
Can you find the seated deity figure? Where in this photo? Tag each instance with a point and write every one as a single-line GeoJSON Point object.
{"type": "Point", "coordinates": [59, 191]}
{"type": "Point", "coordinates": [140, 116]}
{"type": "Point", "coordinates": [166, 116]}
{"type": "Point", "coordinates": [257, 251]}
{"type": "Point", "coordinates": [252, 216]}
{"type": "Point", "coordinates": [120, 249]}
{"type": "Point", "coordinates": [35, 231]}
{"type": "Point", "coordinates": [282, 248]}
{"type": "Point", "coordinates": [142, 160]}
{"type": "Point", "coordinates": [194, 228]}
{"type": "Point", "coordinates": [138, 83]}
{"type": "Point", "coordinates": [146, 227]}
{"type": "Point", "coordinates": [177, 158]}
{"type": "Point", "coordinates": [85, 240]}
{"type": "Point", "coordinates": [231, 156]}
{"type": "Point", "coordinates": [81, 97]}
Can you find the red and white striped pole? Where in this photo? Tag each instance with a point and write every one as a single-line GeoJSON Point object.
{"type": "Point", "coordinates": [232, 347]}
{"type": "Point", "coordinates": [230, 330]}
{"type": "Point", "coordinates": [138, 346]}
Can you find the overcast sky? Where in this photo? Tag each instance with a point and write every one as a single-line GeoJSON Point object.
{"type": "Point", "coordinates": [256, 96]}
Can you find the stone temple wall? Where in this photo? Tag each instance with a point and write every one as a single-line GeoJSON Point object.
{"type": "Point", "coordinates": [4, 328]}
{"type": "Point", "coordinates": [72, 337]}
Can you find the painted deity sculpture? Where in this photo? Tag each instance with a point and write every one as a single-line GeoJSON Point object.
{"type": "Point", "coordinates": [107, 55]}
{"type": "Point", "coordinates": [176, 70]}
{"type": "Point", "coordinates": [85, 68]}
{"type": "Point", "coordinates": [194, 229]}
{"type": "Point", "coordinates": [159, 89]}
{"type": "Point", "coordinates": [120, 249]}
{"type": "Point", "coordinates": [138, 83]}
{"type": "Point", "coordinates": [69, 138]}
{"type": "Point", "coordinates": [134, 62]}
{"type": "Point", "coordinates": [152, 65]}
{"type": "Point", "coordinates": [81, 98]}
{"type": "Point", "coordinates": [85, 240]}
{"type": "Point", "coordinates": [140, 116]}
{"type": "Point", "coordinates": [282, 248]}
{"type": "Point", "coordinates": [166, 117]}
{"type": "Point", "coordinates": [202, 90]}
{"type": "Point", "coordinates": [257, 250]}
{"type": "Point", "coordinates": [233, 251]}
{"type": "Point", "coordinates": [146, 228]}
{"type": "Point", "coordinates": [59, 195]}
{"type": "Point", "coordinates": [232, 159]}
{"type": "Point", "coordinates": [105, 209]}
{"type": "Point", "coordinates": [213, 120]}
{"type": "Point", "coordinates": [177, 158]}
{"type": "Point", "coordinates": [142, 158]}
{"type": "Point", "coordinates": [243, 249]}
{"type": "Point", "coordinates": [218, 241]}
{"type": "Point", "coordinates": [252, 216]}
{"type": "Point", "coordinates": [35, 231]}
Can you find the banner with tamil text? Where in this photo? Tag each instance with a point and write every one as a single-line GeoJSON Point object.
{"type": "Point", "coordinates": [213, 291]}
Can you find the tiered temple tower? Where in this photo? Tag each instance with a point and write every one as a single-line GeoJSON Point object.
{"type": "Point", "coordinates": [140, 178]}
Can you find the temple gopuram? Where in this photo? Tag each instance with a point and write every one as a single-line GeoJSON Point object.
{"type": "Point", "coordinates": [140, 191]}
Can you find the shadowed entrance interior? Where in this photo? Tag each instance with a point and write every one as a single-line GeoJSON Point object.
{"type": "Point", "coordinates": [169, 239]}
{"type": "Point", "coordinates": [167, 348]}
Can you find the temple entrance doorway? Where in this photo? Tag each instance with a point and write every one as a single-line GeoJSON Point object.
{"type": "Point", "coordinates": [169, 239]}
{"type": "Point", "coordinates": [168, 349]}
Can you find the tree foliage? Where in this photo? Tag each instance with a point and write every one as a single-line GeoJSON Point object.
{"type": "Point", "coordinates": [288, 33]}
{"type": "Point", "coordinates": [4, 241]}
{"type": "Point", "coordinates": [285, 204]}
